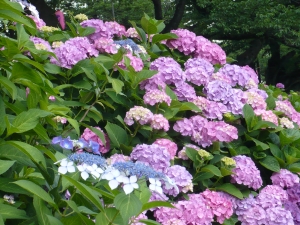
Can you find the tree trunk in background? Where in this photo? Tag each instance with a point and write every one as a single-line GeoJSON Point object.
{"type": "Point", "coordinates": [46, 12]}
{"type": "Point", "coordinates": [157, 9]}
{"type": "Point", "coordinates": [178, 14]}
{"type": "Point", "coordinates": [274, 64]}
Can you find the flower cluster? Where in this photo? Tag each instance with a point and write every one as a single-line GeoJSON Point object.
{"type": "Point", "coordinates": [285, 179]}
{"type": "Point", "coordinates": [89, 135]}
{"type": "Point", "coordinates": [246, 173]}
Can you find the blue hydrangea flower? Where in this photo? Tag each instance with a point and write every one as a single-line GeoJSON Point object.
{"type": "Point", "coordinates": [87, 158]}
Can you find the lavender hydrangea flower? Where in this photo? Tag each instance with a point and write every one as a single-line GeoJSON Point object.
{"type": "Point", "coordinates": [271, 196]}
{"type": "Point", "coordinates": [89, 135]}
{"type": "Point", "coordinates": [156, 156]}
{"type": "Point", "coordinates": [184, 43]}
{"type": "Point", "coordinates": [106, 45]}
{"type": "Point", "coordinates": [181, 177]}
{"type": "Point", "coordinates": [218, 91]}
{"type": "Point", "coordinates": [41, 44]}
{"type": "Point", "coordinates": [168, 69]}
{"type": "Point", "coordinates": [184, 127]}
{"type": "Point", "coordinates": [72, 51]}
{"type": "Point", "coordinates": [256, 101]}
{"type": "Point", "coordinates": [294, 210]}
{"type": "Point", "coordinates": [139, 114]}
{"type": "Point", "coordinates": [117, 158]}
{"type": "Point", "coordinates": [184, 91]}
{"type": "Point", "coordinates": [285, 178]}
{"type": "Point", "coordinates": [294, 193]}
{"type": "Point", "coordinates": [155, 96]}
{"type": "Point", "coordinates": [280, 85]}
{"type": "Point", "coordinates": [246, 172]}
{"type": "Point", "coordinates": [153, 83]}
{"type": "Point", "coordinates": [115, 28]}
{"type": "Point", "coordinates": [278, 216]}
{"type": "Point", "coordinates": [198, 71]}
{"type": "Point", "coordinates": [237, 74]}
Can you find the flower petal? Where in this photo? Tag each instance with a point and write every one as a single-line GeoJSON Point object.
{"type": "Point", "coordinates": [127, 189]}
{"type": "Point", "coordinates": [62, 169]}
{"type": "Point", "coordinates": [133, 179]}
{"type": "Point", "coordinates": [113, 184]}
{"type": "Point", "coordinates": [71, 169]}
{"type": "Point", "coordinates": [84, 175]}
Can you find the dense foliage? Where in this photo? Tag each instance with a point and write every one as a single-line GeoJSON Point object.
{"type": "Point", "coordinates": [106, 125]}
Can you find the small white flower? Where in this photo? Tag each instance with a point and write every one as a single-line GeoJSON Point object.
{"type": "Point", "coordinates": [114, 177]}
{"type": "Point", "coordinates": [155, 185]}
{"type": "Point", "coordinates": [130, 184]}
{"type": "Point", "coordinates": [95, 170]}
{"type": "Point", "coordinates": [66, 166]}
{"type": "Point", "coordinates": [82, 168]}
{"type": "Point", "coordinates": [170, 184]}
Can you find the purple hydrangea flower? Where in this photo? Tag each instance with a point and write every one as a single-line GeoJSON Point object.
{"type": "Point", "coordinates": [246, 172]}
{"type": "Point", "coordinates": [198, 71]}
{"type": "Point", "coordinates": [238, 75]}
{"type": "Point", "coordinates": [153, 83]}
{"type": "Point", "coordinates": [271, 196]}
{"type": "Point", "coordinates": [89, 135]}
{"type": "Point", "coordinates": [41, 44]}
{"type": "Point", "coordinates": [105, 45]}
{"type": "Point", "coordinates": [294, 210]}
{"type": "Point", "coordinates": [115, 28]}
{"type": "Point", "coordinates": [184, 91]}
{"type": "Point", "coordinates": [218, 91]}
{"type": "Point", "coordinates": [285, 178]}
{"type": "Point", "coordinates": [280, 85]}
{"type": "Point", "coordinates": [101, 30]}
{"type": "Point", "coordinates": [278, 216]}
{"type": "Point", "coordinates": [182, 179]}
{"type": "Point", "coordinates": [294, 193]}
{"type": "Point", "coordinates": [156, 156]}
{"type": "Point", "coordinates": [184, 127]}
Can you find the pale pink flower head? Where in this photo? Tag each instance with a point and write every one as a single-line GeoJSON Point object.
{"type": "Point", "coordinates": [138, 114]}
{"type": "Point", "coordinates": [285, 178]}
{"type": "Point", "coordinates": [52, 98]}
{"type": "Point", "coordinates": [168, 144]}
{"type": "Point", "coordinates": [135, 62]}
{"type": "Point", "coordinates": [285, 122]}
{"type": "Point", "coordinates": [155, 96]}
{"type": "Point", "coordinates": [159, 122]}
{"type": "Point", "coordinates": [115, 28]}
{"type": "Point", "coordinates": [38, 22]}
{"type": "Point", "coordinates": [267, 115]}
{"type": "Point", "coordinates": [89, 135]}
{"type": "Point", "coordinates": [132, 33]}
{"type": "Point", "coordinates": [105, 45]}
{"type": "Point", "coordinates": [117, 158]}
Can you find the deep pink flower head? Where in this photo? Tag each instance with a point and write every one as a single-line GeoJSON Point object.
{"type": "Point", "coordinates": [168, 144]}
{"type": "Point", "coordinates": [184, 43]}
{"type": "Point", "coordinates": [210, 51]}
{"type": "Point", "coordinates": [246, 172]}
{"type": "Point", "coordinates": [89, 135]}
{"type": "Point", "coordinates": [285, 178]}
{"type": "Point", "coordinates": [61, 19]}
{"type": "Point", "coordinates": [220, 206]}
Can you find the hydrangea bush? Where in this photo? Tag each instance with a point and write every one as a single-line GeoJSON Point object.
{"type": "Point", "coordinates": [106, 125]}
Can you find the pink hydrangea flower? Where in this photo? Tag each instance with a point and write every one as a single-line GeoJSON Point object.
{"type": "Point", "coordinates": [159, 122]}
{"type": "Point", "coordinates": [101, 30]}
{"type": "Point", "coordinates": [115, 28]}
{"type": "Point", "coordinates": [132, 33]}
{"type": "Point", "coordinates": [184, 43]}
{"type": "Point", "coordinates": [117, 158]}
{"type": "Point", "coordinates": [182, 153]}
{"type": "Point", "coordinates": [267, 115]}
{"type": "Point", "coordinates": [246, 172]}
{"type": "Point", "coordinates": [38, 22]}
{"type": "Point", "coordinates": [135, 62]}
{"type": "Point", "coordinates": [155, 96]}
{"type": "Point", "coordinates": [285, 178]}
{"type": "Point", "coordinates": [105, 45]}
{"type": "Point", "coordinates": [256, 101]}
{"type": "Point", "coordinates": [220, 206]}
{"type": "Point", "coordinates": [89, 135]}
{"type": "Point", "coordinates": [168, 144]}
{"type": "Point", "coordinates": [280, 85]}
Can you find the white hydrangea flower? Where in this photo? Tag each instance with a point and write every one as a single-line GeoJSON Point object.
{"type": "Point", "coordinates": [115, 178]}
{"type": "Point", "coordinates": [130, 184]}
{"type": "Point", "coordinates": [82, 168]}
{"type": "Point", "coordinates": [155, 185]}
{"type": "Point", "coordinates": [95, 171]}
{"type": "Point", "coordinates": [66, 166]}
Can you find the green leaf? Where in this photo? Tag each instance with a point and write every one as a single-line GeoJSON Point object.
{"type": "Point", "coordinates": [10, 212]}
{"type": "Point", "coordinates": [110, 216]}
{"type": "Point", "coordinates": [143, 193]}
{"type": "Point", "coordinates": [2, 116]}
{"type": "Point", "coordinates": [54, 221]}
{"type": "Point", "coordinates": [66, 183]}
{"type": "Point", "coordinates": [140, 31]}
{"type": "Point", "coordinates": [290, 154]}
{"type": "Point", "coordinates": [74, 124]}
{"type": "Point", "coordinates": [295, 167]}
{"type": "Point", "coordinates": [116, 84]}
{"type": "Point", "coordinates": [288, 136]}
{"type": "Point", "coordinates": [41, 210]}
{"type": "Point", "coordinates": [230, 189]}
{"type": "Point", "coordinates": [149, 222]}
{"type": "Point", "coordinates": [42, 132]}
{"type": "Point", "coordinates": [260, 145]}
{"type": "Point", "coordinates": [230, 221]}
{"type": "Point", "coordinates": [23, 58]}
{"type": "Point", "coordinates": [264, 124]}
{"type": "Point", "coordinates": [270, 163]}
{"type": "Point", "coordinates": [148, 27]}
{"type": "Point", "coordinates": [129, 205]}
{"type": "Point", "coordinates": [189, 106]}
{"type": "Point", "coordinates": [9, 86]}
{"type": "Point", "coordinates": [213, 169]}
{"type": "Point", "coordinates": [5, 165]}
{"type": "Point", "coordinates": [31, 152]}
{"type": "Point", "coordinates": [248, 115]}
{"type": "Point", "coordinates": [52, 68]}
{"type": "Point", "coordinates": [277, 153]}
{"type": "Point", "coordinates": [86, 191]}
{"type": "Point", "coordinates": [159, 37]}
{"type": "Point", "coordinates": [35, 190]}
{"type": "Point", "coordinates": [7, 185]}
{"type": "Point", "coordinates": [116, 134]}
{"type": "Point", "coordinates": [202, 176]}
{"type": "Point", "coordinates": [191, 153]}
{"type": "Point", "coordinates": [1, 220]}
{"type": "Point", "coordinates": [22, 36]}
{"type": "Point", "coordinates": [27, 120]}
{"type": "Point", "coordinates": [155, 204]}
{"type": "Point", "coordinates": [142, 75]}
{"type": "Point", "coordinates": [84, 219]}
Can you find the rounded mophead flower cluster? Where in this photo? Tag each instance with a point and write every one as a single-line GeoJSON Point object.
{"type": "Point", "coordinates": [285, 178]}
{"type": "Point", "coordinates": [138, 114]}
